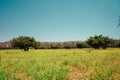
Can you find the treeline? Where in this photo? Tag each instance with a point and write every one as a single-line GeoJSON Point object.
{"type": "Point", "coordinates": [92, 42]}
{"type": "Point", "coordinates": [74, 44]}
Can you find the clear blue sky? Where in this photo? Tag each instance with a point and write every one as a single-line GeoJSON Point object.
{"type": "Point", "coordinates": [59, 20]}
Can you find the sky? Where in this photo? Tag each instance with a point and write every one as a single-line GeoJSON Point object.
{"type": "Point", "coordinates": [59, 20]}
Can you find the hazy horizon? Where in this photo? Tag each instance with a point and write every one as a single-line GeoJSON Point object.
{"type": "Point", "coordinates": [59, 20]}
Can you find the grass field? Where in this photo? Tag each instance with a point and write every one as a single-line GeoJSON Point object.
{"type": "Point", "coordinates": [71, 64]}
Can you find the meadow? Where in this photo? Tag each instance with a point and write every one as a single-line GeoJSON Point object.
{"type": "Point", "coordinates": [60, 64]}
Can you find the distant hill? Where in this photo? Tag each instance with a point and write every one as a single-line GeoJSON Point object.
{"type": "Point", "coordinates": [5, 45]}
{"type": "Point", "coordinates": [57, 45]}
{"type": "Point", "coordinates": [44, 45]}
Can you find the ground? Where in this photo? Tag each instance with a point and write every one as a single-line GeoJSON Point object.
{"type": "Point", "coordinates": [64, 64]}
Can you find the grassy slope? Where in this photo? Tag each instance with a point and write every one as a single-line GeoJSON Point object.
{"type": "Point", "coordinates": [74, 64]}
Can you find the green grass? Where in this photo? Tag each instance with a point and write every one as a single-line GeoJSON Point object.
{"type": "Point", "coordinates": [71, 64]}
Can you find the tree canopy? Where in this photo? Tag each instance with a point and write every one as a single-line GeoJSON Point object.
{"type": "Point", "coordinates": [24, 42]}
{"type": "Point", "coordinates": [99, 41]}
{"type": "Point", "coordinates": [81, 45]}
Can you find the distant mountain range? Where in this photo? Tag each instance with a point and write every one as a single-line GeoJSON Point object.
{"type": "Point", "coordinates": [6, 44]}
{"type": "Point", "coordinates": [43, 45]}
{"type": "Point", "coordinates": [57, 45]}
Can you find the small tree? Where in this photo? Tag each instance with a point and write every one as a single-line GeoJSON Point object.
{"type": "Point", "coordinates": [54, 46]}
{"type": "Point", "coordinates": [95, 41]}
{"type": "Point", "coordinates": [105, 41]}
{"type": "Point", "coordinates": [24, 42]}
{"type": "Point", "coordinates": [36, 45]}
{"type": "Point", "coordinates": [81, 45]}
{"type": "Point", "coordinates": [99, 41]}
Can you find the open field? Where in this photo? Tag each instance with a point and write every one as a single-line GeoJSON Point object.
{"type": "Point", "coordinates": [71, 64]}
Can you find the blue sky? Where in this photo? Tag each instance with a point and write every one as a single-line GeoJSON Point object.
{"type": "Point", "coordinates": [59, 20]}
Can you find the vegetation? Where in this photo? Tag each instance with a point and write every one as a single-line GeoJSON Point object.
{"type": "Point", "coordinates": [99, 41]}
{"type": "Point", "coordinates": [24, 42]}
{"type": "Point", "coordinates": [73, 64]}
{"type": "Point", "coordinates": [81, 45]}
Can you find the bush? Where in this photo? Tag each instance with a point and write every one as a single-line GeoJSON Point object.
{"type": "Point", "coordinates": [81, 45]}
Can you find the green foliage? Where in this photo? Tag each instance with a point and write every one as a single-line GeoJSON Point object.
{"type": "Point", "coordinates": [49, 75]}
{"type": "Point", "coordinates": [62, 73]}
{"type": "Point", "coordinates": [65, 62]}
{"type": "Point", "coordinates": [36, 45]}
{"type": "Point", "coordinates": [99, 41]}
{"type": "Point", "coordinates": [81, 45]}
{"type": "Point", "coordinates": [95, 41]}
{"type": "Point", "coordinates": [106, 41]}
{"type": "Point", "coordinates": [54, 46]}
{"type": "Point", "coordinates": [24, 42]}
{"type": "Point", "coordinates": [4, 75]}
{"type": "Point", "coordinates": [67, 47]}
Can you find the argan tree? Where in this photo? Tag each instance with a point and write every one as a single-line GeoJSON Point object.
{"type": "Point", "coordinates": [36, 45]}
{"type": "Point", "coordinates": [105, 41]}
{"type": "Point", "coordinates": [81, 45]}
{"type": "Point", "coordinates": [24, 42]}
{"type": "Point", "coordinates": [95, 41]}
{"type": "Point", "coordinates": [99, 41]}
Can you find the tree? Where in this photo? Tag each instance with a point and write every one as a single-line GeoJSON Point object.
{"type": "Point", "coordinates": [24, 42]}
{"type": "Point", "coordinates": [105, 41]}
{"type": "Point", "coordinates": [81, 45]}
{"type": "Point", "coordinates": [99, 41]}
{"type": "Point", "coordinates": [53, 46]}
{"type": "Point", "coordinates": [115, 43]}
{"type": "Point", "coordinates": [36, 45]}
{"type": "Point", "coordinates": [95, 41]}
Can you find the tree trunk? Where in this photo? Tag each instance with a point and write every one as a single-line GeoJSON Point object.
{"type": "Point", "coordinates": [104, 47]}
{"type": "Point", "coordinates": [26, 49]}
